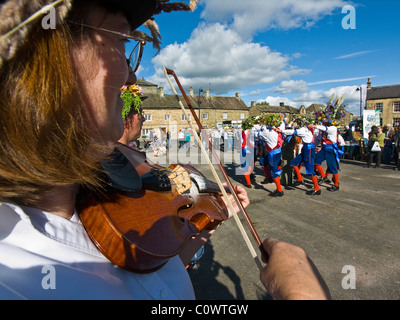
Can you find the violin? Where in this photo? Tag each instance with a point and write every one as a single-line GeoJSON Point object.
{"type": "Point", "coordinates": [148, 213]}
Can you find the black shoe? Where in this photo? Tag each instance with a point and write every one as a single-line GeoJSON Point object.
{"type": "Point", "coordinates": [334, 188]}
{"type": "Point", "coordinates": [266, 181]}
{"type": "Point", "coordinates": [377, 167]}
{"type": "Point", "coordinates": [324, 179]}
{"type": "Point", "coordinates": [248, 186]}
{"type": "Point", "coordinates": [276, 193]}
{"type": "Point", "coordinates": [299, 183]}
{"type": "Point", "coordinates": [313, 192]}
{"type": "Point", "coordinates": [367, 166]}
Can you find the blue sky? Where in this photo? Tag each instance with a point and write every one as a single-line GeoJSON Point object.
{"type": "Point", "coordinates": [292, 51]}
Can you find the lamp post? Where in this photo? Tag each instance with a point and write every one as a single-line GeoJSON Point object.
{"type": "Point", "coordinates": [360, 89]}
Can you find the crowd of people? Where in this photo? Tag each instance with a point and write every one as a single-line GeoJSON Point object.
{"type": "Point", "coordinates": [307, 144]}
{"type": "Point", "coordinates": [383, 146]}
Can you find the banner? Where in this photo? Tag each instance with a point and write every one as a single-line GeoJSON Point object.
{"type": "Point", "coordinates": [370, 118]}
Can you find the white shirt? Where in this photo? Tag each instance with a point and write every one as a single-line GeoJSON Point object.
{"type": "Point", "coordinates": [44, 256]}
{"type": "Point", "coordinates": [304, 133]}
{"type": "Point", "coordinates": [331, 132]}
{"type": "Point", "coordinates": [270, 137]}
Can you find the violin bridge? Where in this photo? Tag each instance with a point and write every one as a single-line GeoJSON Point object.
{"type": "Point", "coordinates": [180, 177]}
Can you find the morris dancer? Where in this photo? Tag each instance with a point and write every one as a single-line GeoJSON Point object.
{"type": "Point", "coordinates": [329, 152]}
{"type": "Point", "coordinates": [247, 151]}
{"type": "Point", "coordinates": [306, 155]}
{"type": "Point", "coordinates": [273, 140]}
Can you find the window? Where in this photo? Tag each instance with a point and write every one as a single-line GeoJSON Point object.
{"type": "Point", "coordinates": [146, 132]}
{"type": "Point", "coordinates": [396, 122]}
{"type": "Point", "coordinates": [396, 106]}
{"type": "Point", "coordinates": [148, 116]}
{"type": "Point", "coordinates": [379, 106]}
{"type": "Point", "coordinates": [242, 116]}
{"type": "Point", "coordinates": [205, 115]}
{"type": "Point", "coordinates": [184, 117]}
{"type": "Point", "coordinates": [224, 116]}
{"type": "Point", "coordinates": [167, 117]}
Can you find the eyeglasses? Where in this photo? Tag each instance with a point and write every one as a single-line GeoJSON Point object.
{"type": "Point", "coordinates": [136, 54]}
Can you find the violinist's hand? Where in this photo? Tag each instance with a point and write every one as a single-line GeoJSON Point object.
{"type": "Point", "coordinates": [242, 196]}
{"type": "Point", "coordinates": [290, 274]}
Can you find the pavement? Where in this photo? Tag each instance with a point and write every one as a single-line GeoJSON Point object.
{"type": "Point", "coordinates": [351, 235]}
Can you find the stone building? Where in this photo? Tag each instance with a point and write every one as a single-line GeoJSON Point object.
{"type": "Point", "coordinates": [163, 113]}
{"type": "Point", "coordinates": [386, 99]}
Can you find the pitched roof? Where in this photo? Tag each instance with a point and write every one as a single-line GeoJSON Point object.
{"type": "Point", "coordinates": [386, 92]}
{"type": "Point", "coordinates": [155, 101]}
{"type": "Point", "coordinates": [274, 109]}
{"type": "Point", "coordinates": [145, 83]}
{"type": "Point", "coordinates": [314, 107]}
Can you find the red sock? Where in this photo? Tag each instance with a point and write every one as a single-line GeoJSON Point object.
{"type": "Point", "coordinates": [320, 170]}
{"type": "Point", "coordinates": [247, 175]}
{"type": "Point", "coordinates": [315, 181]}
{"type": "Point", "coordinates": [267, 174]}
{"type": "Point", "coordinates": [336, 179]}
{"type": "Point", "coordinates": [277, 181]}
{"type": "Point", "coordinates": [298, 174]}
{"type": "Point", "coordinates": [327, 172]}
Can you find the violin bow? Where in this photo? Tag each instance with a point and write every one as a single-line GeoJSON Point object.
{"type": "Point", "coordinates": [168, 72]}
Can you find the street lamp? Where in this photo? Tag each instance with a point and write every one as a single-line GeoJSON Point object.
{"type": "Point", "coordinates": [200, 91]}
{"type": "Point", "coordinates": [360, 89]}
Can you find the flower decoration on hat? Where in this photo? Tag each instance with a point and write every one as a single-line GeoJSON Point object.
{"type": "Point", "coordinates": [331, 113]}
{"type": "Point", "coordinates": [132, 96]}
{"type": "Point", "coordinates": [272, 120]}
{"type": "Point", "coordinates": [248, 123]}
{"type": "Point", "coordinates": [303, 121]}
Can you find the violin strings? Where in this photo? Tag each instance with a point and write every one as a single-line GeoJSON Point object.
{"type": "Point", "coordinates": [203, 150]}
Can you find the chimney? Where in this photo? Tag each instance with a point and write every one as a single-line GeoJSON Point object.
{"type": "Point", "coordinates": [191, 92]}
{"type": "Point", "coordinates": [281, 104]}
{"type": "Point", "coordinates": [161, 92]}
{"type": "Point", "coordinates": [238, 95]}
{"type": "Point", "coordinates": [253, 104]}
{"type": "Point", "coordinates": [207, 94]}
{"type": "Point", "coordinates": [369, 84]}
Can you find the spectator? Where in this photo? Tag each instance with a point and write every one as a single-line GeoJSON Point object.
{"type": "Point", "coordinates": [397, 148]}
{"type": "Point", "coordinates": [376, 134]}
{"type": "Point", "coordinates": [181, 138]}
{"type": "Point", "coordinates": [388, 144]}
{"type": "Point", "coordinates": [188, 137]}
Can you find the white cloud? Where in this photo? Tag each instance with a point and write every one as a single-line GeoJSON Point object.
{"type": "Point", "coordinates": [276, 101]}
{"type": "Point", "coordinates": [354, 54]}
{"type": "Point", "coordinates": [251, 16]}
{"type": "Point", "coordinates": [292, 86]}
{"type": "Point", "coordinates": [351, 98]}
{"type": "Point", "coordinates": [340, 80]}
{"type": "Point", "coordinates": [216, 54]}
